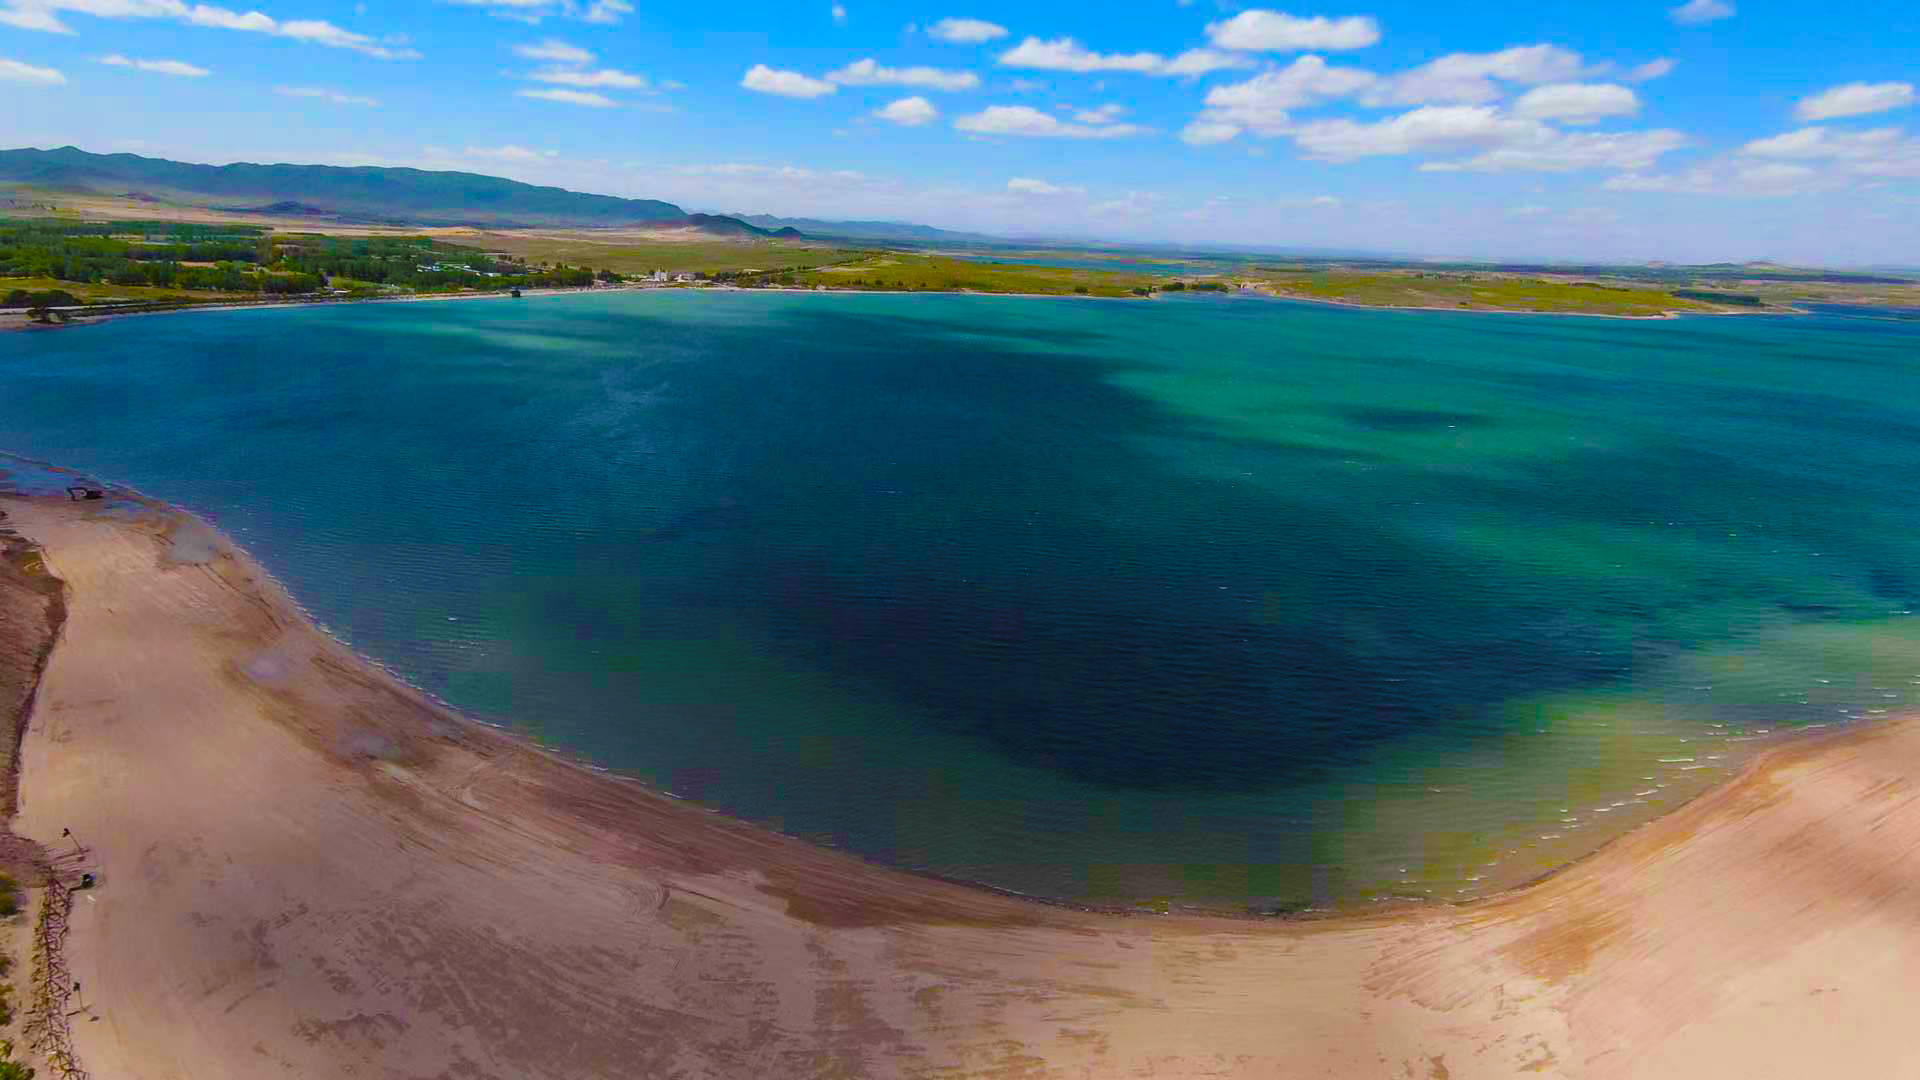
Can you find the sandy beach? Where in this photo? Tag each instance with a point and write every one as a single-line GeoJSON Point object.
{"type": "Point", "coordinates": [309, 870]}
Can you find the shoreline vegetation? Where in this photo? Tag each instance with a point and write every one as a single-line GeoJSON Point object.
{"type": "Point", "coordinates": [307, 859]}
{"type": "Point", "coordinates": [58, 270]}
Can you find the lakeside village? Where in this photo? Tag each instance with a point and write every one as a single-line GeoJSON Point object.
{"type": "Point", "coordinates": [53, 269]}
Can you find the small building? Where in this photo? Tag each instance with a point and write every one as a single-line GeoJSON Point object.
{"type": "Point", "coordinates": [683, 277]}
{"type": "Point", "coordinates": [658, 276]}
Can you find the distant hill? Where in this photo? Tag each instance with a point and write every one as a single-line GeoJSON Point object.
{"type": "Point", "coordinates": [359, 193]}
{"type": "Point", "coordinates": [723, 225]}
{"type": "Point", "coordinates": [896, 231]}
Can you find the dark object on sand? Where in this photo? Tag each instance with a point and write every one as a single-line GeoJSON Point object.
{"type": "Point", "coordinates": [76, 494]}
{"type": "Point", "coordinates": [86, 881]}
{"type": "Point", "coordinates": [516, 294]}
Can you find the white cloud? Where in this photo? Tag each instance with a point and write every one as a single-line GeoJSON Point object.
{"type": "Point", "coordinates": [1263, 103]}
{"type": "Point", "coordinates": [1771, 180]}
{"type": "Point", "coordinates": [1431, 129]}
{"type": "Point", "coordinates": [510, 153]}
{"type": "Point", "coordinates": [839, 13]}
{"type": "Point", "coordinates": [791, 84]}
{"type": "Point", "coordinates": [1100, 114]}
{"type": "Point", "coordinates": [33, 18]}
{"type": "Point", "coordinates": [1195, 62]}
{"type": "Point", "coordinates": [322, 33]}
{"type": "Point", "coordinates": [1026, 185]}
{"type": "Point", "coordinates": [607, 78]}
{"type": "Point", "coordinates": [555, 51]}
{"type": "Point", "coordinates": [869, 73]}
{"type": "Point", "coordinates": [1472, 78]}
{"type": "Point", "coordinates": [1494, 141]}
{"type": "Point", "coordinates": [1577, 103]}
{"type": "Point", "coordinates": [908, 112]}
{"type": "Point", "coordinates": [570, 97]}
{"type": "Point", "coordinates": [1202, 132]}
{"type": "Point", "coordinates": [1854, 99]}
{"type": "Point", "coordinates": [961, 31]}
{"type": "Point", "coordinates": [1547, 150]}
{"type": "Point", "coordinates": [1066, 54]}
{"type": "Point", "coordinates": [1887, 153]}
{"type": "Point", "coordinates": [784, 173]}
{"type": "Point", "coordinates": [606, 12]}
{"type": "Point", "coordinates": [15, 71]}
{"type": "Point", "coordinates": [1132, 204]}
{"type": "Point", "coordinates": [1697, 12]}
{"type": "Point", "coordinates": [1273, 31]}
{"type": "Point", "coordinates": [1024, 121]}
{"type": "Point", "coordinates": [1812, 143]}
{"type": "Point", "coordinates": [158, 67]}
{"type": "Point", "coordinates": [1652, 69]}
{"type": "Point", "coordinates": [332, 97]}
{"type": "Point", "coordinates": [1810, 159]}
{"type": "Point", "coordinates": [44, 15]}
{"type": "Point", "coordinates": [1774, 177]}
{"type": "Point", "coordinates": [601, 12]}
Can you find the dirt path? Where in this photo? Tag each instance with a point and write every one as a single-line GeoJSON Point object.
{"type": "Point", "coordinates": [309, 871]}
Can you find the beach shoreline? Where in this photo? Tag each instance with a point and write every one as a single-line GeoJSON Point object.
{"type": "Point", "coordinates": [268, 810]}
{"type": "Point", "coordinates": [1505, 881]}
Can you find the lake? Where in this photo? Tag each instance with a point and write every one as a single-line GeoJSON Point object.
{"type": "Point", "coordinates": [1220, 600]}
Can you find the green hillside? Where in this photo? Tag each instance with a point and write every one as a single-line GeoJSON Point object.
{"type": "Point", "coordinates": [361, 193]}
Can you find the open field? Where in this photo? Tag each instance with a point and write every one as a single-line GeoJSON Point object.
{"type": "Point", "coordinates": [634, 252]}
{"type": "Point", "coordinates": [1876, 294]}
{"type": "Point", "coordinates": [940, 274]}
{"type": "Point", "coordinates": [624, 250]}
{"type": "Point", "coordinates": [107, 293]}
{"type": "Point", "coordinates": [308, 865]}
{"type": "Point", "coordinates": [1481, 292]}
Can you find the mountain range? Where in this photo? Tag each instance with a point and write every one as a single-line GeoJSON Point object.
{"type": "Point", "coordinates": [369, 194]}
{"type": "Point", "coordinates": [363, 194]}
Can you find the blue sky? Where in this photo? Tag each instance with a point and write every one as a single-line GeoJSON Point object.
{"type": "Point", "coordinates": [1703, 130]}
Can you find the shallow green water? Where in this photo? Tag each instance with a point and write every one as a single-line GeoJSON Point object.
{"type": "Point", "coordinates": [1224, 599]}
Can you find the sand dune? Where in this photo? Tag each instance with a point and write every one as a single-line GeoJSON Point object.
{"type": "Point", "coordinates": [309, 871]}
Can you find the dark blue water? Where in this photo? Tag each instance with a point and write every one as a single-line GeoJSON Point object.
{"type": "Point", "coordinates": [1224, 599]}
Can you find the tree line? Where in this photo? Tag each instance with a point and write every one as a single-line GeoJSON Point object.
{"type": "Point", "coordinates": [245, 258]}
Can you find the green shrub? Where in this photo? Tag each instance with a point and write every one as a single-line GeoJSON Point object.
{"type": "Point", "coordinates": [36, 300]}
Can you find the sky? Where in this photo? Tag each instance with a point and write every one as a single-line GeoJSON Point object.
{"type": "Point", "coordinates": [1696, 130]}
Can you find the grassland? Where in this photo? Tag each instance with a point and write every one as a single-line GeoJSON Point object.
{"type": "Point", "coordinates": [106, 293]}
{"type": "Point", "coordinates": [1879, 294]}
{"type": "Point", "coordinates": [1483, 292]}
{"type": "Point", "coordinates": [935, 273]}
{"type": "Point", "coordinates": [626, 252]}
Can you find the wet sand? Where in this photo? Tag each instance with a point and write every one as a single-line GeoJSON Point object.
{"type": "Point", "coordinates": [309, 870]}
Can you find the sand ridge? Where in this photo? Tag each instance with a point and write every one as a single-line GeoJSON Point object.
{"type": "Point", "coordinates": [310, 870]}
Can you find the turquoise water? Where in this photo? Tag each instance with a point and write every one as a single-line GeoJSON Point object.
{"type": "Point", "coordinates": [1227, 600]}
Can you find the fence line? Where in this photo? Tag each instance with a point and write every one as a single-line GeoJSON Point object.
{"type": "Point", "coordinates": [48, 1028]}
